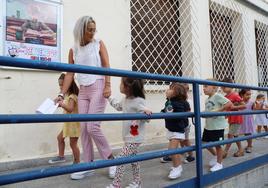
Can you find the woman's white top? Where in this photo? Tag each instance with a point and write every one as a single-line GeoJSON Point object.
{"type": "Point", "coordinates": [88, 55]}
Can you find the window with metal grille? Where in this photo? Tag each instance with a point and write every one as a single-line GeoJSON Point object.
{"type": "Point", "coordinates": [261, 35]}
{"type": "Point", "coordinates": [227, 43]}
{"type": "Point", "coordinates": [155, 37]}
{"type": "Point", "coordinates": [222, 45]}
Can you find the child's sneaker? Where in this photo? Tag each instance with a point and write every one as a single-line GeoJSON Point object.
{"type": "Point", "coordinates": [165, 159]}
{"type": "Point", "coordinates": [134, 185]}
{"type": "Point", "coordinates": [57, 159]}
{"type": "Point", "coordinates": [82, 174]}
{"type": "Point", "coordinates": [112, 170]}
{"type": "Point", "coordinates": [213, 161]}
{"type": "Point", "coordinates": [175, 172]}
{"type": "Point", "coordinates": [189, 159]}
{"type": "Point", "coordinates": [216, 167]}
{"type": "Point", "coordinates": [248, 149]}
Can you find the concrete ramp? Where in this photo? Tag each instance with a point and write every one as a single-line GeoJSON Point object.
{"type": "Point", "coordinates": [154, 174]}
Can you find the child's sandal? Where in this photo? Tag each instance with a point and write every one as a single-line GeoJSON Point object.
{"type": "Point", "coordinates": [239, 154]}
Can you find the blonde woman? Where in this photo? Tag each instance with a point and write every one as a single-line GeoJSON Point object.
{"type": "Point", "coordinates": [93, 89]}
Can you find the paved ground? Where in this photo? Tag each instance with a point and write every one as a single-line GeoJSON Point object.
{"type": "Point", "coordinates": [154, 173]}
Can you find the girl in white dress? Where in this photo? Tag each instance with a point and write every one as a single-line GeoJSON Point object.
{"type": "Point", "coordinates": [261, 120]}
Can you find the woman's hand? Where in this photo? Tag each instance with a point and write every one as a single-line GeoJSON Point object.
{"type": "Point", "coordinates": [107, 91]}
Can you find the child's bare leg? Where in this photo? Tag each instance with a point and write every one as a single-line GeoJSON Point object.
{"type": "Point", "coordinates": [176, 159]}
{"type": "Point", "coordinates": [61, 144]}
{"type": "Point", "coordinates": [182, 143]}
{"type": "Point", "coordinates": [75, 149]}
{"type": "Point", "coordinates": [239, 145]}
{"type": "Point", "coordinates": [212, 151]}
{"type": "Point", "coordinates": [187, 143]}
{"type": "Point", "coordinates": [240, 151]}
{"type": "Point", "coordinates": [219, 152]}
{"type": "Point", "coordinates": [259, 128]}
{"type": "Point", "coordinates": [265, 128]}
{"type": "Point", "coordinates": [249, 141]}
{"type": "Point", "coordinates": [227, 147]}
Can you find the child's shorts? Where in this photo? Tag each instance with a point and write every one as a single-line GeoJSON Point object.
{"type": "Point", "coordinates": [234, 129]}
{"type": "Point", "coordinates": [213, 135]}
{"type": "Point", "coordinates": [175, 135]}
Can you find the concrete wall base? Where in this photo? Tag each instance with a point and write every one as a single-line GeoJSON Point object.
{"type": "Point", "coordinates": [256, 178]}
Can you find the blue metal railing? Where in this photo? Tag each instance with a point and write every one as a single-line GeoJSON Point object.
{"type": "Point", "coordinates": [199, 181]}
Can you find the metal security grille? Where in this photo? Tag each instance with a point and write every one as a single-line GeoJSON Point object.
{"type": "Point", "coordinates": [227, 35]}
{"type": "Point", "coordinates": [261, 34]}
{"type": "Point", "coordinates": [162, 37]}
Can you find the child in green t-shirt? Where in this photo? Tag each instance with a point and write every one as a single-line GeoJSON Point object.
{"type": "Point", "coordinates": [214, 129]}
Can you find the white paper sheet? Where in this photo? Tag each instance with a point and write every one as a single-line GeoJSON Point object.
{"type": "Point", "coordinates": [47, 107]}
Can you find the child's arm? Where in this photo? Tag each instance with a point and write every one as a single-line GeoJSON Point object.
{"type": "Point", "coordinates": [69, 108]}
{"type": "Point", "coordinates": [141, 107]}
{"type": "Point", "coordinates": [144, 109]}
{"type": "Point", "coordinates": [239, 106]}
{"type": "Point", "coordinates": [115, 103]}
{"type": "Point", "coordinates": [225, 103]}
{"type": "Point", "coordinates": [265, 106]}
{"type": "Point", "coordinates": [257, 105]}
{"type": "Point", "coordinates": [147, 111]}
{"type": "Point", "coordinates": [238, 103]}
{"type": "Point", "coordinates": [226, 107]}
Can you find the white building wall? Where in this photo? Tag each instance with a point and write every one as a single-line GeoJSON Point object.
{"type": "Point", "coordinates": [21, 91]}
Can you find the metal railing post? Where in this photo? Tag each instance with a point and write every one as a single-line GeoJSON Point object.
{"type": "Point", "coordinates": [198, 141]}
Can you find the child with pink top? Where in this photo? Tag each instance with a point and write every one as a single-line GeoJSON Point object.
{"type": "Point", "coordinates": [247, 127]}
